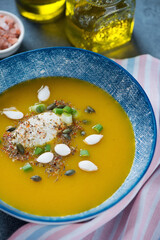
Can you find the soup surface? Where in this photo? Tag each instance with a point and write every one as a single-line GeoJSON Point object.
{"type": "Point", "coordinates": [60, 194]}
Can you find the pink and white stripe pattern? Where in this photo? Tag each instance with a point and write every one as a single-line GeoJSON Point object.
{"type": "Point", "coordinates": [137, 216]}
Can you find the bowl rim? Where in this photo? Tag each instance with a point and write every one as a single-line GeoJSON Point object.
{"type": "Point", "coordinates": [54, 220]}
{"type": "Point", "coordinates": [21, 37]}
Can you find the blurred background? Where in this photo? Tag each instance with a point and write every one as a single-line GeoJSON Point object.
{"type": "Point", "coordinates": [146, 34]}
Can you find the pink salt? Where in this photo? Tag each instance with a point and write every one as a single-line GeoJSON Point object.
{"type": "Point", "coordinates": [9, 31]}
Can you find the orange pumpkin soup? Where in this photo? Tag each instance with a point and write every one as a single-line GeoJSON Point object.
{"type": "Point", "coordinates": [66, 154]}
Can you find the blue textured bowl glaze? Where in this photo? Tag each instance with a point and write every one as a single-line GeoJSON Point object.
{"type": "Point", "coordinates": [106, 74]}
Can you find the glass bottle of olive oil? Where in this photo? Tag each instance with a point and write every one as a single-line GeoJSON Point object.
{"type": "Point", "coordinates": [99, 25]}
{"type": "Point", "coordinates": [41, 10]}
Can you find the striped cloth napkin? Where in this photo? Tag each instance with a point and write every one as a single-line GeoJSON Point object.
{"type": "Point", "coordinates": [137, 216]}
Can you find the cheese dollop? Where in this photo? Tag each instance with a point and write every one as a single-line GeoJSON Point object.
{"type": "Point", "coordinates": [37, 130]}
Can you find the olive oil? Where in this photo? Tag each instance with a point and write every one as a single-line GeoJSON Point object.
{"type": "Point", "coordinates": [40, 10]}
{"type": "Point", "coordinates": [99, 25]}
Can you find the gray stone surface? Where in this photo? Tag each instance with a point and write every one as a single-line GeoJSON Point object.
{"type": "Point", "coordinates": [146, 40]}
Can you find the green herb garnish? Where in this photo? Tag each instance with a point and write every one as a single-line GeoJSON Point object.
{"type": "Point", "coordinates": [58, 111]}
{"type": "Point", "coordinates": [67, 109]}
{"type": "Point", "coordinates": [98, 127]}
{"type": "Point", "coordinates": [38, 150]}
{"type": "Point", "coordinates": [47, 148]}
{"type": "Point", "coordinates": [84, 153]}
{"type": "Point", "coordinates": [38, 108]}
{"type": "Point", "coordinates": [11, 129]}
{"type": "Point", "coordinates": [27, 167]}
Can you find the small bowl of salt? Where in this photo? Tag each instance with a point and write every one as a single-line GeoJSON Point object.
{"type": "Point", "coordinates": [11, 33]}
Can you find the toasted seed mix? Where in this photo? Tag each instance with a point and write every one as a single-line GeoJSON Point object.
{"type": "Point", "coordinates": [58, 111]}
{"type": "Point", "coordinates": [38, 151]}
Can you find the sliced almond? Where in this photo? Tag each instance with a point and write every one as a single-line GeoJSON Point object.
{"type": "Point", "coordinates": [13, 114]}
{"type": "Point", "coordinates": [43, 93]}
{"type": "Point", "coordinates": [45, 157]}
{"type": "Point", "coordinates": [87, 166]}
{"type": "Point", "coordinates": [93, 139]}
{"type": "Point", "coordinates": [62, 149]}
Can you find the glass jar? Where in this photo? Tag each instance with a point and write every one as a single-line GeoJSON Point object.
{"type": "Point", "coordinates": [41, 10]}
{"type": "Point", "coordinates": [99, 25]}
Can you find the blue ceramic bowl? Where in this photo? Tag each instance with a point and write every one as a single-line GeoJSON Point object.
{"type": "Point", "coordinates": [106, 74]}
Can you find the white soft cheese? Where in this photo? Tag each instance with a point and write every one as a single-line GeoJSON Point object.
{"type": "Point", "coordinates": [37, 130]}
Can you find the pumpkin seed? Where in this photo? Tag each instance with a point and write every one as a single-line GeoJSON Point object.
{"type": "Point", "coordinates": [67, 130]}
{"type": "Point", "coordinates": [36, 178]}
{"type": "Point", "coordinates": [84, 153]}
{"type": "Point", "coordinates": [70, 172]}
{"type": "Point", "coordinates": [67, 109]}
{"type": "Point", "coordinates": [89, 110]}
{"type": "Point", "coordinates": [38, 108]}
{"type": "Point", "coordinates": [61, 106]}
{"type": "Point", "coordinates": [83, 133]}
{"type": "Point", "coordinates": [51, 106]}
{"type": "Point", "coordinates": [85, 121]}
{"type": "Point", "coordinates": [66, 136]}
{"type": "Point", "coordinates": [20, 148]}
{"type": "Point", "coordinates": [11, 129]}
